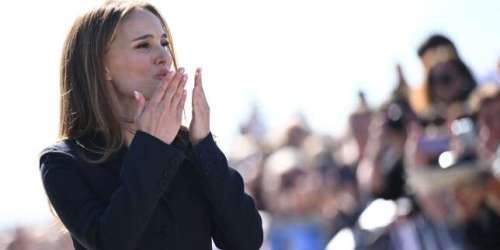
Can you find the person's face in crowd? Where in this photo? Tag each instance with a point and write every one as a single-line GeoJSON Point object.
{"type": "Point", "coordinates": [489, 120]}
{"type": "Point", "coordinates": [296, 136]}
{"type": "Point", "coordinates": [138, 58]}
{"type": "Point", "coordinates": [436, 55]}
{"type": "Point", "coordinates": [448, 82]}
{"type": "Point", "coordinates": [428, 60]}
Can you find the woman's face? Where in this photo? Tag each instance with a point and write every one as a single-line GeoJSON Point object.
{"type": "Point", "coordinates": [448, 82]}
{"type": "Point", "coordinates": [138, 58]}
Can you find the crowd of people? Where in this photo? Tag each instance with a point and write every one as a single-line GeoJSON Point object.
{"type": "Point", "coordinates": [421, 171]}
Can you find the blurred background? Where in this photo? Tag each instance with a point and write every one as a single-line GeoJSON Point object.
{"type": "Point", "coordinates": [355, 124]}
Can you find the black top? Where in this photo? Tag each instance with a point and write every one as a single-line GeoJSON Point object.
{"type": "Point", "coordinates": [151, 195]}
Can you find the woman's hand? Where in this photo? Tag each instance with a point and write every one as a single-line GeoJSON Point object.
{"type": "Point", "coordinates": [161, 116]}
{"type": "Point", "coordinates": [200, 121]}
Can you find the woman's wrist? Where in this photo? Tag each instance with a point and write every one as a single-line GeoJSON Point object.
{"type": "Point", "coordinates": [197, 139]}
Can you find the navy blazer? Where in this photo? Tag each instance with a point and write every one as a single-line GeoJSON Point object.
{"type": "Point", "coordinates": [150, 195]}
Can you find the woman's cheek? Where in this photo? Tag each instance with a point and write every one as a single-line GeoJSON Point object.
{"type": "Point", "coordinates": [142, 79]}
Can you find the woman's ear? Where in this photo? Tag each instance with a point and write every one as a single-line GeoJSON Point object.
{"type": "Point", "coordinates": [107, 74]}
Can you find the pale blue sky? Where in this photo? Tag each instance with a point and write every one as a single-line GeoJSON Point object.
{"type": "Point", "coordinates": [310, 56]}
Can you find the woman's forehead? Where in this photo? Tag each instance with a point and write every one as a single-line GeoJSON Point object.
{"type": "Point", "coordinates": [138, 23]}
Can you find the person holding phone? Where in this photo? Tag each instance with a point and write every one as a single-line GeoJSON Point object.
{"type": "Point", "coordinates": [126, 174]}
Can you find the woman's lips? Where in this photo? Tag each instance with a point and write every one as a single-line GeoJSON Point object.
{"type": "Point", "coordinates": [162, 75]}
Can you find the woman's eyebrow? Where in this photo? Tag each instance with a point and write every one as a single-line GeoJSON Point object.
{"type": "Point", "coordinates": [148, 36]}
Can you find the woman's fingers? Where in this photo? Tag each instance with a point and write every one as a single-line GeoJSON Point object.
{"type": "Point", "coordinates": [181, 86]}
{"type": "Point", "coordinates": [141, 103]}
{"type": "Point", "coordinates": [197, 78]}
{"type": "Point", "coordinates": [200, 84]}
{"type": "Point", "coordinates": [180, 106]}
{"type": "Point", "coordinates": [159, 92]}
{"type": "Point", "coordinates": [200, 123]}
{"type": "Point", "coordinates": [178, 93]}
{"type": "Point", "coordinates": [172, 87]}
{"type": "Point", "coordinates": [162, 117]}
{"type": "Point", "coordinates": [195, 95]}
{"type": "Point", "coordinates": [199, 87]}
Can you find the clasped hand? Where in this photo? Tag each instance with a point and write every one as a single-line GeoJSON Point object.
{"type": "Point", "coordinates": [161, 116]}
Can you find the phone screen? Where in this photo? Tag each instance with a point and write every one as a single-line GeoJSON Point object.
{"type": "Point", "coordinates": [434, 145]}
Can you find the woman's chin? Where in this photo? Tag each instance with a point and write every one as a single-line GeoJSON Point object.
{"type": "Point", "coordinates": [148, 90]}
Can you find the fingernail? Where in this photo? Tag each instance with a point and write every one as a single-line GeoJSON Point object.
{"type": "Point", "coordinates": [181, 70]}
{"type": "Point", "coordinates": [136, 95]}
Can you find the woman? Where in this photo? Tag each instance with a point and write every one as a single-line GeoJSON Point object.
{"type": "Point", "coordinates": [126, 174]}
{"type": "Point", "coordinates": [449, 83]}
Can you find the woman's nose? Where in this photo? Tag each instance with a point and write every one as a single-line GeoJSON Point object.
{"type": "Point", "coordinates": [163, 55]}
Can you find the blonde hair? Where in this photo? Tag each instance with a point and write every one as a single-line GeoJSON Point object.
{"type": "Point", "coordinates": [85, 103]}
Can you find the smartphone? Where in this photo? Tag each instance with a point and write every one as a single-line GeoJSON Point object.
{"type": "Point", "coordinates": [465, 130]}
{"type": "Point", "coordinates": [435, 144]}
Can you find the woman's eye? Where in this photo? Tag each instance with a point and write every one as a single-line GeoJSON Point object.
{"type": "Point", "coordinates": [143, 46]}
{"type": "Point", "coordinates": [164, 43]}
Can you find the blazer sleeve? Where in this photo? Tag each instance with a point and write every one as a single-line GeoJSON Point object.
{"type": "Point", "coordinates": [235, 219]}
{"type": "Point", "coordinates": [120, 223]}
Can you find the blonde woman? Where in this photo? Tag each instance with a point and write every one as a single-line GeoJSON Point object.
{"type": "Point", "coordinates": [126, 174]}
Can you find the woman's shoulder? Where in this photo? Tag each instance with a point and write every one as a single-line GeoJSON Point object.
{"type": "Point", "coordinates": [61, 151]}
{"type": "Point", "coordinates": [63, 146]}
{"type": "Point", "coordinates": [89, 146]}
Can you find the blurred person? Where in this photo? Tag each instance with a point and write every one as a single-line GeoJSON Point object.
{"type": "Point", "coordinates": [247, 157]}
{"type": "Point", "coordinates": [292, 137]}
{"type": "Point", "coordinates": [286, 173]}
{"type": "Point", "coordinates": [447, 83]}
{"type": "Point", "coordinates": [432, 222]}
{"type": "Point", "coordinates": [297, 131]}
{"type": "Point", "coordinates": [352, 145]}
{"type": "Point", "coordinates": [248, 148]}
{"type": "Point", "coordinates": [359, 122]}
{"type": "Point", "coordinates": [254, 126]}
{"type": "Point", "coordinates": [477, 213]}
{"type": "Point", "coordinates": [426, 221]}
{"type": "Point", "coordinates": [435, 49]}
{"type": "Point", "coordinates": [126, 174]}
{"type": "Point", "coordinates": [293, 194]}
{"type": "Point", "coordinates": [339, 205]}
{"type": "Point", "coordinates": [381, 173]}
{"type": "Point", "coordinates": [450, 210]}
{"type": "Point", "coordinates": [450, 84]}
{"type": "Point", "coordinates": [246, 154]}
{"type": "Point", "coordinates": [485, 105]}
{"type": "Point", "coordinates": [480, 200]}
{"type": "Point", "coordinates": [292, 134]}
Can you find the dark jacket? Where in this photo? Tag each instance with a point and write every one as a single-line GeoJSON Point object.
{"type": "Point", "coordinates": [151, 195]}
